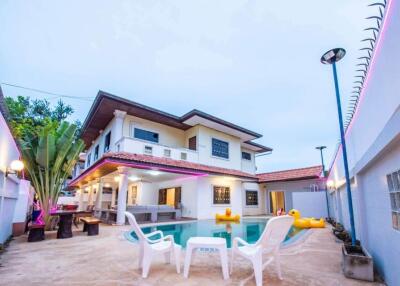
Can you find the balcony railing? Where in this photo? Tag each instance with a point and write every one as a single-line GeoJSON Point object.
{"type": "Point", "coordinates": [133, 145]}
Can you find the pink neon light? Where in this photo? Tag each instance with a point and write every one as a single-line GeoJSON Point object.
{"type": "Point", "coordinates": [366, 82]}
{"type": "Point", "coordinates": [139, 166]}
{"type": "Point", "coordinates": [373, 60]}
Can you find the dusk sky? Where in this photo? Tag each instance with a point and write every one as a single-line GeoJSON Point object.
{"type": "Point", "coordinates": [254, 63]}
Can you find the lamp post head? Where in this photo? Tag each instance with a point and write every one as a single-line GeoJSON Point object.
{"type": "Point", "coordinates": [333, 56]}
{"type": "Point", "coordinates": [320, 147]}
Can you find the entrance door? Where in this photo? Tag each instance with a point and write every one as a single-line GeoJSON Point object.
{"type": "Point", "coordinates": [276, 201]}
{"type": "Point", "coordinates": [170, 196]}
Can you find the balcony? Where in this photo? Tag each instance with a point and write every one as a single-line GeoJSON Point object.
{"type": "Point", "coordinates": [133, 145]}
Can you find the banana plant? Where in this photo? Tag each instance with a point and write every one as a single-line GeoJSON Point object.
{"type": "Point", "coordinates": [49, 159]}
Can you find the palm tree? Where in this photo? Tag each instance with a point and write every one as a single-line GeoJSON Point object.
{"type": "Point", "coordinates": [49, 159]}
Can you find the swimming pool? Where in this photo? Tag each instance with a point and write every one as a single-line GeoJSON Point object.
{"type": "Point", "coordinates": [248, 229]}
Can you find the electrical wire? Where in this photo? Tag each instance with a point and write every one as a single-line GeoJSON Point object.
{"type": "Point", "coordinates": [57, 95]}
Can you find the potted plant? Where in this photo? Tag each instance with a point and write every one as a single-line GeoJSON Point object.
{"type": "Point", "coordinates": [357, 263]}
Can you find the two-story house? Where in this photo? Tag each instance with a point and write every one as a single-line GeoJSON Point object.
{"type": "Point", "coordinates": [138, 155]}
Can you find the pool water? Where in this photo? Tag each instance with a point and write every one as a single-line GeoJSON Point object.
{"type": "Point", "coordinates": [247, 229]}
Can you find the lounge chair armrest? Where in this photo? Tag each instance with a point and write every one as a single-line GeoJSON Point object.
{"type": "Point", "coordinates": [237, 241]}
{"type": "Point", "coordinates": [169, 237]}
{"type": "Point", "coordinates": [153, 234]}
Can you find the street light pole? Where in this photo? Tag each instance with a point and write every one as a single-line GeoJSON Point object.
{"type": "Point", "coordinates": [320, 148]}
{"type": "Point", "coordinates": [331, 57]}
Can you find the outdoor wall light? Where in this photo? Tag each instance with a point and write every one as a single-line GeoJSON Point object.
{"type": "Point", "coordinates": [154, 172]}
{"type": "Point", "coordinates": [15, 166]}
{"type": "Point", "coordinates": [330, 184]}
{"type": "Point", "coordinates": [107, 185]}
{"type": "Point", "coordinates": [116, 178]}
{"type": "Point", "coordinates": [133, 178]}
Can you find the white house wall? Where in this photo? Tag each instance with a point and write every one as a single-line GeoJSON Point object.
{"type": "Point", "coordinates": [147, 193]}
{"type": "Point", "coordinates": [177, 141]}
{"type": "Point", "coordinates": [379, 236]}
{"type": "Point", "coordinates": [248, 166]}
{"type": "Point", "coordinates": [253, 210]}
{"type": "Point", "coordinates": [373, 142]}
{"type": "Point", "coordinates": [100, 141]}
{"type": "Point", "coordinates": [205, 207]}
{"type": "Point", "coordinates": [168, 136]}
{"type": "Point", "coordinates": [311, 204]}
{"type": "Point", "coordinates": [289, 188]}
{"type": "Point", "coordinates": [205, 149]}
{"type": "Point", "coordinates": [381, 98]}
{"type": "Point", "coordinates": [9, 186]}
{"type": "Point", "coordinates": [189, 189]}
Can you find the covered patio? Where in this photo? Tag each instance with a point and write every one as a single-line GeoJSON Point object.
{"type": "Point", "coordinates": [151, 195]}
{"type": "Point", "coordinates": [144, 185]}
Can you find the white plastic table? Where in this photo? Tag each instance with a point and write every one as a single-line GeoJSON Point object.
{"type": "Point", "coordinates": [207, 242]}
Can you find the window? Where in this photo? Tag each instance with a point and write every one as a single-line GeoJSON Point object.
{"type": "Point", "coordinates": [96, 153]}
{"type": "Point", "coordinates": [88, 159]}
{"type": "Point", "coordinates": [193, 143]}
{"type": "Point", "coordinates": [246, 156]}
{"type": "Point", "coordinates": [251, 198]}
{"type": "Point", "coordinates": [221, 195]}
{"type": "Point", "coordinates": [148, 150]}
{"type": "Point", "coordinates": [220, 148]}
{"type": "Point", "coordinates": [107, 142]}
{"type": "Point", "coordinates": [145, 135]}
{"type": "Point", "coordinates": [167, 153]}
{"type": "Point", "coordinates": [183, 156]}
{"type": "Point", "coordinates": [393, 181]}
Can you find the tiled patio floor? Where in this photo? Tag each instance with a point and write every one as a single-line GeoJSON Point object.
{"type": "Point", "coordinates": [108, 259]}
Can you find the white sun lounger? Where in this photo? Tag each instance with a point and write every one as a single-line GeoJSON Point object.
{"type": "Point", "coordinates": [151, 247]}
{"type": "Point", "coordinates": [269, 242]}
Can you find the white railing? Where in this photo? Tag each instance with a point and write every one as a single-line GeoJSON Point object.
{"type": "Point", "coordinates": [132, 145]}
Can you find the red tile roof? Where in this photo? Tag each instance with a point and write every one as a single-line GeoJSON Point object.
{"type": "Point", "coordinates": [110, 161]}
{"type": "Point", "coordinates": [178, 164]}
{"type": "Point", "coordinates": [291, 175]}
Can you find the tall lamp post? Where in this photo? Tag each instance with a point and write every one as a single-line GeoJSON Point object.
{"type": "Point", "coordinates": [320, 148]}
{"type": "Point", "coordinates": [331, 57]}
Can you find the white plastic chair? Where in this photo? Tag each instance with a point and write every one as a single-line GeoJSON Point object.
{"type": "Point", "coordinates": [269, 242]}
{"type": "Point", "coordinates": [150, 247]}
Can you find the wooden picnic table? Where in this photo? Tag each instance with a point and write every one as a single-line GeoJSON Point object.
{"type": "Point", "coordinates": [65, 223]}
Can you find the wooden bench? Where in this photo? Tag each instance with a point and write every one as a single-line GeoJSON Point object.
{"type": "Point", "coordinates": [36, 232]}
{"type": "Point", "coordinates": [91, 225]}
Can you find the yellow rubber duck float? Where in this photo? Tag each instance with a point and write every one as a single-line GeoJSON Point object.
{"type": "Point", "coordinates": [227, 216]}
{"type": "Point", "coordinates": [306, 222]}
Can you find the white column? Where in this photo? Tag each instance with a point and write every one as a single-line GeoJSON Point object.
{"type": "Point", "coordinates": [81, 195]}
{"type": "Point", "coordinates": [99, 197]}
{"type": "Point", "coordinates": [113, 196]}
{"type": "Point", "coordinates": [122, 192]}
{"type": "Point", "coordinates": [118, 126]}
{"type": "Point", "coordinates": [90, 195]}
{"type": "Point", "coordinates": [130, 202]}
